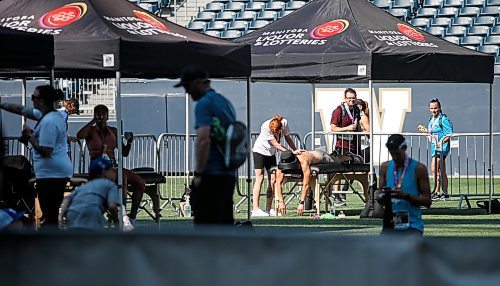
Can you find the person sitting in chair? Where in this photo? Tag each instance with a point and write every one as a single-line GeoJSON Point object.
{"type": "Point", "coordinates": [101, 141]}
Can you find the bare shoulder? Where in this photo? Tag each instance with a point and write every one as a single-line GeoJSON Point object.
{"type": "Point", "coordinates": [384, 165]}
{"type": "Point", "coordinates": [421, 168]}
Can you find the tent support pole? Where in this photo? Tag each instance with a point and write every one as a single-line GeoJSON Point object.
{"type": "Point", "coordinates": [23, 103]}
{"type": "Point", "coordinates": [119, 159]}
{"type": "Point", "coordinates": [313, 112]}
{"type": "Point", "coordinates": [249, 157]}
{"type": "Point", "coordinates": [186, 152]}
{"type": "Point", "coordinates": [370, 98]}
{"type": "Point", "coordinates": [490, 169]}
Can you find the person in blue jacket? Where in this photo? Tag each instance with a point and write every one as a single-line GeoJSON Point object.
{"type": "Point", "coordinates": [441, 128]}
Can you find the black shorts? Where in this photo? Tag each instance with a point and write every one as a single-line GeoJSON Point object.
{"type": "Point", "coordinates": [263, 162]}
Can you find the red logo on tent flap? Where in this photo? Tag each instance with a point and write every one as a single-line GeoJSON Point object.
{"type": "Point", "coordinates": [411, 33]}
{"type": "Point", "coordinates": [150, 20]}
{"type": "Point", "coordinates": [329, 29]}
{"type": "Point", "coordinates": [63, 16]}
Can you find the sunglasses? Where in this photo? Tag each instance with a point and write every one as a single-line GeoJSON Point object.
{"type": "Point", "coordinates": [33, 97]}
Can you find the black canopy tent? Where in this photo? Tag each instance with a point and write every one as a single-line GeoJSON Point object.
{"type": "Point", "coordinates": [100, 37]}
{"type": "Point", "coordinates": [115, 38]}
{"type": "Point", "coordinates": [345, 41]}
{"type": "Point", "coordinates": [23, 53]}
{"type": "Point", "coordinates": [353, 40]}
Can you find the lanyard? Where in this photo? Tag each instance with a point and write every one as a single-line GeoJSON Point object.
{"type": "Point", "coordinates": [398, 183]}
{"type": "Point", "coordinates": [353, 120]}
{"type": "Point", "coordinates": [433, 123]}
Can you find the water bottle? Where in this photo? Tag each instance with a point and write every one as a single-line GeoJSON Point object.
{"type": "Point", "coordinates": [187, 208]}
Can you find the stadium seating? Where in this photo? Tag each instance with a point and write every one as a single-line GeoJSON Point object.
{"type": "Point", "coordinates": [472, 41]}
{"type": "Point", "coordinates": [230, 34]}
{"type": "Point", "coordinates": [197, 26]}
{"type": "Point", "coordinates": [238, 25]}
{"type": "Point", "coordinates": [441, 22]}
{"type": "Point", "coordinates": [436, 31]}
{"type": "Point", "coordinates": [488, 49]}
{"type": "Point", "coordinates": [246, 15]}
{"type": "Point", "coordinates": [452, 39]}
{"type": "Point", "coordinates": [458, 31]}
{"type": "Point", "coordinates": [478, 31]}
{"type": "Point", "coordinates": [453, 3]}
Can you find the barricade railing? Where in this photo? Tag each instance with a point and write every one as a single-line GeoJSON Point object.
{"type": "Point", "coordinates": [13, 147]}
{"type": "Point", "coordinates": [171, 148]}
{"type": "Point", "coordinates": [466, 165]}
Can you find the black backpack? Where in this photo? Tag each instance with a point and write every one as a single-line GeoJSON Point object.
{"type": "Point", "coordinates": [235, 145]}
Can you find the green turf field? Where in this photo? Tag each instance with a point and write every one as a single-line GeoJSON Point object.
{"type": "Point", "coordinates": [442, 219]}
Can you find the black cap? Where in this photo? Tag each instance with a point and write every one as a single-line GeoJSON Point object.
{"type": "Point", "coordinates": [191, 73]}
{"type": "Point", "coordinates": [395, 141]}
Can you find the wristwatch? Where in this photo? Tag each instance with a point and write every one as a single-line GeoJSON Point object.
{"type": "Point", "coordinates": [301, 202]}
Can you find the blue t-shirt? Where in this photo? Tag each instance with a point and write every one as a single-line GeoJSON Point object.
{"type": "Point", "coordinates": [88, 203]}
{"type": "Point", "coordinates": [409, 185]}
{"type": "Point", "coordinates": [51, 132]}
{"type": "Point", "coordinates": [212, 105]}
{"type": "Point", "coordinates": [435, 128]}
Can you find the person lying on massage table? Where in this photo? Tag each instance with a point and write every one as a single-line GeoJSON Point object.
{"type": "Point", "coordinates": [305, 159]}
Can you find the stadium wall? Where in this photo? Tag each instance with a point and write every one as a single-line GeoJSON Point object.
{"type": "Point", "coordinates": [221, 257]}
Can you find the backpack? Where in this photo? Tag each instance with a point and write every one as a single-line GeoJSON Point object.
{"type": "Point", "coordinates": [236, 145]}
{"type": "Point", "coordinates": [231, 142]}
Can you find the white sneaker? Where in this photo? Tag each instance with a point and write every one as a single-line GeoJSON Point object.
{"type": "Point", "coordinates": [272, 212]}
{"type": "Point", "coordinates": [259, 213]}
{"type": "Point", "coordinates": [127, 225]}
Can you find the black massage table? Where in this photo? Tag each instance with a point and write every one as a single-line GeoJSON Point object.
{"type": "Point", "coordinates": [335, 172]}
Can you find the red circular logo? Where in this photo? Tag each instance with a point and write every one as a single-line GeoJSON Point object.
{"type": "Point", "coordinates": [62, 16]}
{"type": "Point", "coordinates": [329, 29]}
{"type": "Point", "coordinates": [150, 20]}
{"type": "Point", "coordinates": [411, 33]}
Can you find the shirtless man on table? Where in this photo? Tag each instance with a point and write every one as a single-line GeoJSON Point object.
{"type": "Point", "coordinates": [306, 159]}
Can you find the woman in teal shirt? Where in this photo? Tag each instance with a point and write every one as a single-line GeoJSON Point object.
{"type": "Point", "coordinates": [441, 128]}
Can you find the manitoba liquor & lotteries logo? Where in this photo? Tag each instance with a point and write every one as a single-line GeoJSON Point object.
{"type": "Point", "coordinates": [405, 36]}
{"type": "Point", "coordinates": [316, 36]}
{"type": "Point", "coordinates": [50, 22]}
{"type": "Point", "coordinates": [62, 16]}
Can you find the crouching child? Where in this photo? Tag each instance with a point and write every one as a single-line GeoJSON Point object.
{"type": "Point", "coordinates": [84, 208]}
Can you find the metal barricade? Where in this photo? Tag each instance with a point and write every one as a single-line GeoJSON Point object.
{"type": "Point", "coordinates": [172, 164]}
{"type": "Point", "coordinates": [13, 147]}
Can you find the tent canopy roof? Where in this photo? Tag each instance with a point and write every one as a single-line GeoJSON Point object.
{"type": "Point", "coordinates": [353, 40]}
{"type": "Point", "coordinates": [99, 37]}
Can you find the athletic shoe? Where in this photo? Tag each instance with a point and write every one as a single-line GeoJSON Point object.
{"type": "Point", "coordinates": [339, 203]}
{"type": "Point", "coordinates": [445, 198]}
{"type": "Point", "coordinates": [436, 197]}
{"type": "Point", "coordinates": [273, 213]}
{"type": "Point", "coordinates": [259, 213]}
{"type": "Point", "coordinates": [127, 225]}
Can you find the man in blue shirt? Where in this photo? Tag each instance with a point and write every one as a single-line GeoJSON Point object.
{"type": "Point", "coordinates": [409, 182]}
{"type": "Point", "coordinates": [213, 183]}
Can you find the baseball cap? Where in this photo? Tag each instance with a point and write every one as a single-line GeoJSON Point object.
{"type": "Point", "coordinates": [395, 141]}
{"type": "Point", "coordinates": [191, 73]}
{"type": "Point", "coordinates": [76, 104]}
{"type": "Point", "coordinates": [99, 165]}
{"type": "Point", "coordinates": [8, 216]}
